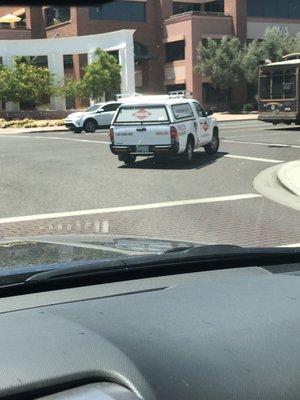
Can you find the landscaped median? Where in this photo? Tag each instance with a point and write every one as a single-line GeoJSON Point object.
{"type": "Point", "coordinates": [289, 176]}
{"type": "Point", "coordinates": [30, 123]}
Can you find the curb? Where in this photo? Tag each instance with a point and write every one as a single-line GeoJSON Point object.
{"type": "Point", "coordinates": [289, 176]}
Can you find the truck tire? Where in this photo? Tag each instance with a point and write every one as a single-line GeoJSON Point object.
{"type": "Point", "coordinates": [213, 146]}
{"type": "Point", "coordinates": [128, 159]}
{"type": "Point", "coordinates": [90, 125]}
{"type": "Point", "coordinates": [188, 155]}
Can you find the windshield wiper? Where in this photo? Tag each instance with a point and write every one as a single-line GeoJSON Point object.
{"type": "Point", "coordinates": [195, 258]}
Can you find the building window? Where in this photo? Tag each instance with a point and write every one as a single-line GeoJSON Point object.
{"type": "Point", "coordinates": [179, 8]}
{"type": "Point", "coordinates": [175, 51]}
{"type": "Point", "coordinates": [274, 9]}
{"type": "Point", "coordinates": [214, 6]}
{"type": "Point", "coordinates": [214, 95]}
{"type": "Point", "coordinates": [56, 15]}
{"type": "Point", "coordinates": [21, 24]}
{"type": "Point", "coordinates": [120, 10]}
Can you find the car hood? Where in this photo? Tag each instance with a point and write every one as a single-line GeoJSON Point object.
{"type": "Point", "coordinates": [79, 114]}
{"type": "Point", "coordinates": [37, 254]}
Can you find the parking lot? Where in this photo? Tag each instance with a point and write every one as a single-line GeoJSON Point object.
{"type": "Point", "coordinates": [61, 182]}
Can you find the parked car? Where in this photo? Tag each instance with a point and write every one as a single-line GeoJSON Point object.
{"type": "Point", "coordinates": [97, 116]}
{"type": "Point", "coordinates": [162, 126]}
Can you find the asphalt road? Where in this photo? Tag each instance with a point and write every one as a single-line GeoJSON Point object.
{"type": "Point", "coordinates": [67, 183]}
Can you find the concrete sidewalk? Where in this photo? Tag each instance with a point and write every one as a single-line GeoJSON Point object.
{"type": "Point", "coordinates": [226, 117]}
{"type": "Point", "coordinates": [289, 176]}
{"type": "Point", "coordinates": [221, 117]}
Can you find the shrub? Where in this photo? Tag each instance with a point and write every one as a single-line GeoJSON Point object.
{"type": "Point", "coordinates": [60, 123]}
{"type": "Point", "coordinates": [248, 108]}
{"type": "Point", "coordinates": [42, 124]}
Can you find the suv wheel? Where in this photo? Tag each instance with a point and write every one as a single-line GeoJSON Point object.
{"type": "Point", "coordinates": [90, 126]}
{"type": "Point", "coordinates": [213, 146]}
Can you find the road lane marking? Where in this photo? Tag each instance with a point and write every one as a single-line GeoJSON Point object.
{"type": "Point", "coordinates": [261, 143]}
{"type": "Point", "coordinates": [107, 143]}
{"type": "Point", "coordinates": [130, 208]}
{"type": "Point", "coordinates": [252, 126]}
{"type": "Point", "coordinates": [266, 160]}
{"type": "Point", "coordinates": [55, 138]}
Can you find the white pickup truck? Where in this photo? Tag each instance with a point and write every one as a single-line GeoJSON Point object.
{"type": "Point", "coordinates": [160, 126]}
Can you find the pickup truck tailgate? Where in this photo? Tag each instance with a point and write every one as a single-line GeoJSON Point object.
{"type": "Point", "coordinates": [142, 135]}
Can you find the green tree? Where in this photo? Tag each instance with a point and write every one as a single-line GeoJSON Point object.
{"type": "Point", "coordinates": [25, 82]}
{"type": "Point", "coordinates": [273, 47]}
{"type": "Point", "coordinates": [101, 77]}
{"type": "Point", "coordinates": [221, 62]}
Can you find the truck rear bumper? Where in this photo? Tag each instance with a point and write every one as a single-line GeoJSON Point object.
{"type": "Point", "coordinates": [153, 150]}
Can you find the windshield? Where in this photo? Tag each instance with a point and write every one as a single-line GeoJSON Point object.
{"type": "Point", "coordinates": [93, 108]}
{"type": "Point", "coordinates": [197, 142]}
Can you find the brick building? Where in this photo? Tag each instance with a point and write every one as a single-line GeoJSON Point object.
{"type": "Point", "coordinates": [167, 34]}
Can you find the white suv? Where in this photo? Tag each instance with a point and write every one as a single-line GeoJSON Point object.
{"type": "Point", "coordinates": [98, 116]}
{"type": "Point", "coordinates": [162, 126]}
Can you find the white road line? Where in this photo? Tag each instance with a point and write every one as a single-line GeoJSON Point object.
{"type": "Point", "coordinates": [107, 143]}
{"type": "Point", "coordinates": [55, 138]}
{"type": "Point", "coordinates": [262, 143]}
{"type": "Point", "coordinates": [267, 160]}
{"type": "Point", "coordinates": [130, 208]}
{"type": "Point", "coordinates": [241, 126]}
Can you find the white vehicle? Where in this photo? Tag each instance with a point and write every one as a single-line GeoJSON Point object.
{"type": "Point", "coordinates": [98, 116]}
{"type": "Point", "coordinates": [162, 126]}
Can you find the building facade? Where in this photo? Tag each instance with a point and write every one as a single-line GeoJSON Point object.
{"type": "Point", "coordinates": [167, 34]}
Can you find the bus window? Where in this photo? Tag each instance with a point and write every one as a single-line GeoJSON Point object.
{"type": "Point", "coordinates": [289, 84]}
{"type": "Point", "coordinates": [265, 85]}
{"type": "Point", "coordinates": [277, 84]}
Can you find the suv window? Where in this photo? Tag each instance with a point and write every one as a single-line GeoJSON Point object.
{"type": "Point", "coordinates": [111, 107]}
{"type": "Point", "coordinates": [183, 110]}
{"type": "Point", "coordinates": [200, 111]}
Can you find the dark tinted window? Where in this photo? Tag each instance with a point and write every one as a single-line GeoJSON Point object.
{"type": "Point", "coordinates": [175, 51]}
{"type": "Point", "coordinates": [214, 6]}
{"type": "Point", "coordinates": [119, 10]}
{"type": "Point", "coordinates": [274, 8]}
{"type": "Point", "coordinates": [111, 107]}
{"type": "Point", "coordinates": [289, 84]}
{"type": "Point", "coordinates": [56, 15]}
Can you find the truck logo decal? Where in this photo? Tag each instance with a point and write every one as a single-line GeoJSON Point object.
{"type": "Point", "coordinates": [142, 113]}
{"type": "Point", "coordinates": [205, 126]}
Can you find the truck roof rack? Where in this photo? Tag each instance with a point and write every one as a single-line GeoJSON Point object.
{"type": "Point", "coordinates": [125, 95]}
{"type": "Point", "coordinates": [171, 95]}
{"type": "Point", "coordinates": [180, 94]}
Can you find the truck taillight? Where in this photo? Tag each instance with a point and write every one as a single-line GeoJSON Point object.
{"type": "Point", "coordinates": [111, 134]}
{"type": "Point", "coordinates": [174, 134]}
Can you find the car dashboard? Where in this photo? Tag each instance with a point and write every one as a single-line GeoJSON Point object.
{"type": "Point", "coordinates": [230, 334]}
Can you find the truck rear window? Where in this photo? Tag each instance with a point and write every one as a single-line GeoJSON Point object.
{"type": "Point", "coordinates": [142, 114]}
